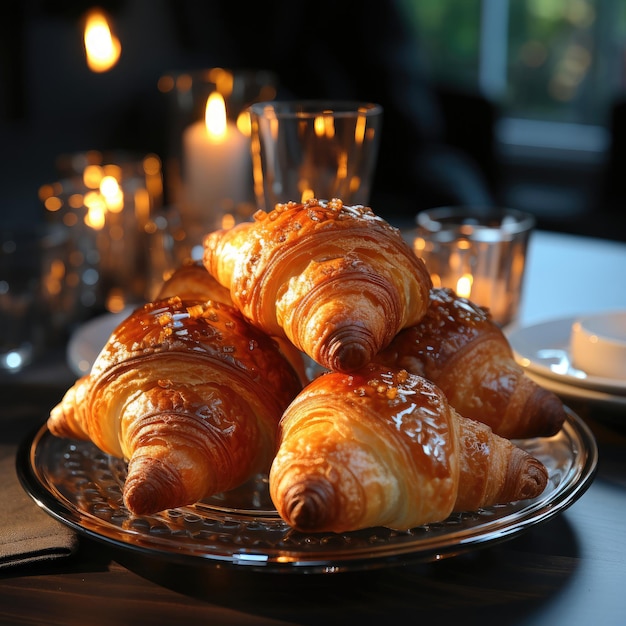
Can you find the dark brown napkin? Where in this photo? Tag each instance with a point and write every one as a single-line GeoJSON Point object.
{"type": "Point", "coordinates": [27, 533]}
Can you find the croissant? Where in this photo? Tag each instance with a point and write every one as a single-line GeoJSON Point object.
{"type": "Point", "coordinates": [465, 353]}
{"type": "Point", "coordinates": [339, 282]}
{"type": "Point", "coordinates": [191, 281]}
{"type": "Point", "coordinates": [382, 447]}
{"type": "Point", "coordinates": [190, 396]}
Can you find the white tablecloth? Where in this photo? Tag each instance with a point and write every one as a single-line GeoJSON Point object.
{"type": "Point", "coordinates": [569, 275]}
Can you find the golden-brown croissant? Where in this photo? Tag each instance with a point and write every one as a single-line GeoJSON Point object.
{"type": "Point", "coordinates": [191, 281]}
{"type": "Point", "coordinates": [464, 352]}
{"type": "Point", "coordinates": [382, 447]}
{"type": "Point", "coordinates": [191, 395]}
{"type": "Point", "coordinates": [339, 282]}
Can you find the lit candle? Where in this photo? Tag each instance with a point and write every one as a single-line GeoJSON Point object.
{"type": "Point", "coordinates": [102, 48]}
{"type": "Point", "coordinates": [464, 286]}
{"type": "Point", "coordinates": [217, 173]}
{"type": "Point", "coordinates": [466, 269]}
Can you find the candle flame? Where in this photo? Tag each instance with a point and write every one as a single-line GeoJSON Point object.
{"type": "Point", "coordinates": [215, 116]}
{"type": "Point", "coordinates": [112, 194]}
{"type": "Point", "coordinates": [101, 47]}
{"type": "Point", "coordinates": [464, 286]}
{"type": "Point", "coordinates": [96, 210]}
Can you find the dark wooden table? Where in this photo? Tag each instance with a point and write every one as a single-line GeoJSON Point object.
{"type": "Point", "coordinates": [569, 570]}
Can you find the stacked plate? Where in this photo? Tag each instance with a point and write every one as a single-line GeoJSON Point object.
{"type": "Point", "coordinates": [545, 353]}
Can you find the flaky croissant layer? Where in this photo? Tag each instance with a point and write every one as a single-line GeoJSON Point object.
{"type": "Point", "coordinates": [339, 282]}
{"type": "Point", "coordinates": [190, 394]}
{"type": "Point", "coordinates": [381, 447]}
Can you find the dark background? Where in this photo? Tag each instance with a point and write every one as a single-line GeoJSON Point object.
{"type": "Point", "coordinates": [439, 145]}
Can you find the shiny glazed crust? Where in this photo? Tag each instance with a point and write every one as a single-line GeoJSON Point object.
{"type": "Point", "coordinates": [382, 447]}
{"type": "Point", "coordinates": [338, 281]}
{"type": "Point", "coordinates": [463, 351]}
{"type": "Point", "coordinates": [189, 394]}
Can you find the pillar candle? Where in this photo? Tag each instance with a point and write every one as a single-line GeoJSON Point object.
{"type": "Point", "coordinates": [217, 171]}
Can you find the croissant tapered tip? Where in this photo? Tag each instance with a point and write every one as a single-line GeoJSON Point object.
{"type": "Point", "coordinates": [152, 486]}
{"type": "Point", "coordinates": [350, 357]}
{"type": "Point", "coordinates": [549, 411]}
{"type": "Point", "coordinates": [529, 476]}
{"type": "Point", "coordinates": [64, 420]}
{"type": "Point", "coordinates": [57, 423]}
{"type": "Point", "coordinates": [350, 349]}
{"type": "Point", "coordinates": [305, 505]}
{"type": "Point", "coordinates": [536, 480]}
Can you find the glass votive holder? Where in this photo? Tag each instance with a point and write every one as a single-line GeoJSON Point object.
{"type": "Point", "coordinates": [479, 252]}
{"type": "Point", "coordinates": [208, 168]}
{"type": "Point", "coordinates": [143, 171]}
{"type": "Point", "coordinates": [106, 226]}
{"type": "Point", "coordinates": [32, 314]}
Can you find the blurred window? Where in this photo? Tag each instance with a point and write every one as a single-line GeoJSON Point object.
{"type": "Point", "coordinates": [449, 33]}
{"type": "Point", "coordinates": [543, 61]}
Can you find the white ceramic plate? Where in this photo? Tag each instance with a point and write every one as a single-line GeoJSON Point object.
{"type": "Point", "coordinates": [544, 349]}
{"type": "Point", "coordinates": [88, 339]}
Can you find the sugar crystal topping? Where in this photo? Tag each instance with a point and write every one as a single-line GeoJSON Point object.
{"type": "Point", "coordinates": [336, 205]}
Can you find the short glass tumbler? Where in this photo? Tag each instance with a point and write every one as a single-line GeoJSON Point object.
{"type": "Point", "coordinates": [479, 252]}
{"type": "Point", "coordinates": [314, 149]}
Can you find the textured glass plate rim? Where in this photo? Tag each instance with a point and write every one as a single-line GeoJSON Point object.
{"type": "Point", "coordinates": [315, 553]}
{"type": "Point", "coordinates": [529, 342]}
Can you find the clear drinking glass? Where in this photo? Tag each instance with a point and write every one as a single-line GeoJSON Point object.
{"type": "Point", "coordinates": [314, 149]}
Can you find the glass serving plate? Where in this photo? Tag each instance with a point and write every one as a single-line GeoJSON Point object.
{"type": "Point", "coordinates": [82, 487]}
